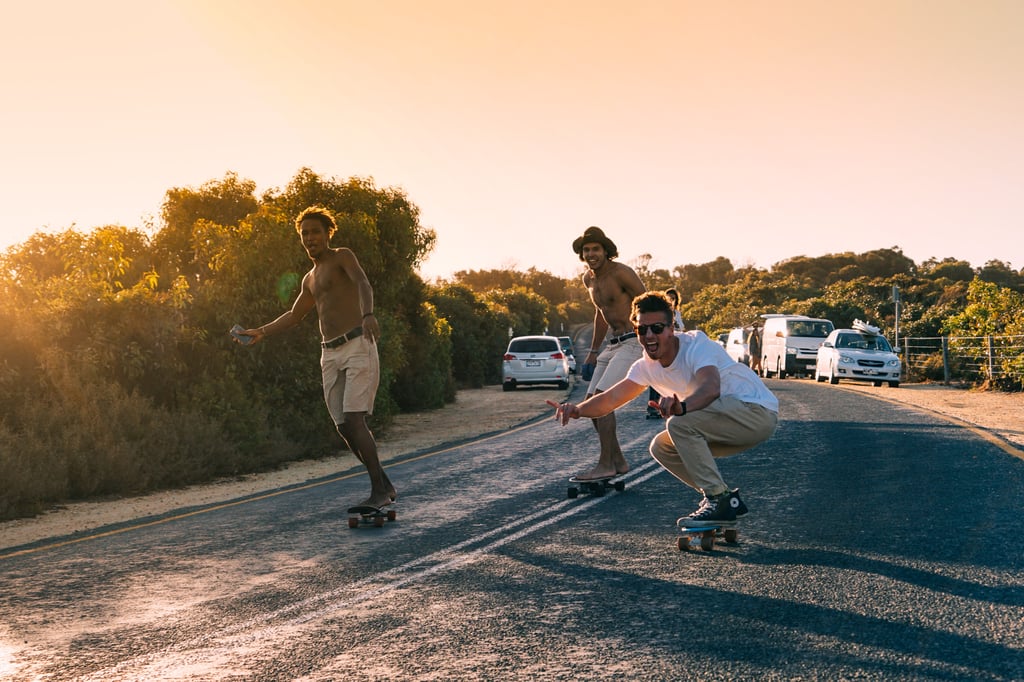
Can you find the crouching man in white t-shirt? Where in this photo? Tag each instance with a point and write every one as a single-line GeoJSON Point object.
{"type": "Point", "coordinates": [713, 405]}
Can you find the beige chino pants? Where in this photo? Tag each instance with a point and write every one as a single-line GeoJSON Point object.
{"type": "Point", "coordinates": [687, 448]}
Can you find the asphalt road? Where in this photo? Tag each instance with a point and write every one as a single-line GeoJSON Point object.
{"type": "Point", "coordinates": [882, 543]}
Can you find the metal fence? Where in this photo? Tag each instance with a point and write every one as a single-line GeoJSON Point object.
{"type": "Point", "coordinates": [996, 360]}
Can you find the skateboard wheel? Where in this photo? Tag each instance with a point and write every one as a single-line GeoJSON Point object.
{"type": "Point", "coordinates": [392, 515]}
{"type": "Point", "coordinates": [574, 493]}
{"type": "Point", "coordinates": [707, 541]}
{"type": "Point", "coordinates": [730, 535]}
{"type": "Point", "coordinates": [378, 521]}
{"type": "Point", "coordinates": [620, 485]}
{"type": "Point", "coordinates": [683, 544]}
{"type": "Point", "coordinates": [353, 522]}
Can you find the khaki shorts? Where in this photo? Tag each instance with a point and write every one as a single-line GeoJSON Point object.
{"type": "Point", "coordinates": [351, 374]}
{"type": "Point", "coordinates": [613, 364]}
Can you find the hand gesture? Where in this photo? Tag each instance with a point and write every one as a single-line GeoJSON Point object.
{"type": "Point", "coordinates": [564, 411]}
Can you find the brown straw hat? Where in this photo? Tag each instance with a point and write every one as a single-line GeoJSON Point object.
{"type": "Point", "coordinates": [595, 235]}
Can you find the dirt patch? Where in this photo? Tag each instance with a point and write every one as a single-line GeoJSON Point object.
{"type": "Point", "coordinates": [995, 411]}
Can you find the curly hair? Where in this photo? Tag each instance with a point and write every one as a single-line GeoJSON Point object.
{"type": "Point", "coordinates": [319, 214]}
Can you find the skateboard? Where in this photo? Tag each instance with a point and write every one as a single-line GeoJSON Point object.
{"type": "Point", "coordinates": [596, 487]}
{"type": "Point", "coordinates": [374, 515]}
{"type": "Point", "coordinates": [704, 537]}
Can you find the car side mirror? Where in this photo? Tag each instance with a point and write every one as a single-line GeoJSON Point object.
{"type": "Point", "coordinates": [828, 344]}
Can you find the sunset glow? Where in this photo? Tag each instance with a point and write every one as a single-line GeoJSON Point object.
{"type": "Point", "coordinates": [688, 130]}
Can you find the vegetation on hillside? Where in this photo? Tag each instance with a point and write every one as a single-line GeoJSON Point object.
{"type": "Point", "coordinates": [117, 374]}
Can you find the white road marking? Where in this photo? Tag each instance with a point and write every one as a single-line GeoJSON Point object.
{"type": "Point", "coordinates": [260, 629]}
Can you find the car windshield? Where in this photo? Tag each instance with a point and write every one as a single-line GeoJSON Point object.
{"type": "Point", "coordinates": [863, 342]}
{"type": "Point", "coordinates": [816, 330]}
{"type": "Point", "coordinates": [533, 346]}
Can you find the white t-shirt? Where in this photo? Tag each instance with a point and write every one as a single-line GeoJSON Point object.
{"type": "Point", "coordinates": [696, 350]}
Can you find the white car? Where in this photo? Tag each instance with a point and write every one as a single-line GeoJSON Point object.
{"type": "Point", "coordinates": [736, 345]}
{"type": "Point", "coordinates": [569, 352]}
{"type": "Point", "coordinates": [534, 360]}
{"type": "Point", "coordinates": [857, 355]}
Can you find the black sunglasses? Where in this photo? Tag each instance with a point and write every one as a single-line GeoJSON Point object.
{"type": "Point", "coordinates": [657, 328]}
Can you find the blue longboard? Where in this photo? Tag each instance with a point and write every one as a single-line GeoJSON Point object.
{"type": "Point", "coordinates": [596, 487]}
{"type": "Point", "coordinates": [376, 515]}
{"type": "Point", "coordinates": [703, 537]}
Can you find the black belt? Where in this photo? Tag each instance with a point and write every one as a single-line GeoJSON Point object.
{"type": "Point", "coordinates": [619, 339]}
{"type": "Point", "coordinates": [343, 339]}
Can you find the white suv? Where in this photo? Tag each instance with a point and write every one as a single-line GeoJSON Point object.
{"type": "Point", "coordinates": [534, 360]}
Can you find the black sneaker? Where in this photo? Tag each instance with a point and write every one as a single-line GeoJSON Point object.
{"type": "Point", "coordinates": [736, 503]}
{"type": "Point", "coordinates": [713, 511]}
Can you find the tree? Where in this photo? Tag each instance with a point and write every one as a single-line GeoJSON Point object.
{"type": "Point", "coordinates": [527, 312]}
{"type": "Point", "coordinates": [991, 309]}
{"type": "Point", "coordinates": [949, 268]}
{"type": "Point", "coordinates": [693, 278]}
{"type": "Point", "coordinates": [178, 245]}
{"type": "Point", "coordinates": [1000, 273]}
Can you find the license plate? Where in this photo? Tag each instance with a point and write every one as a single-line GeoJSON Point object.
{"type": "Point", "coordinates": [533, 363]}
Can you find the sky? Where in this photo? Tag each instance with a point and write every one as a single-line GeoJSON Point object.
{"type": "Point", "coordinates": [687, 130]}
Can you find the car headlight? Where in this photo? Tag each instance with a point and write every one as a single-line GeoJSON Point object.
{"type": "Point", "coordinates": [846, 360]}
{"type": "Point", "coordinates": [895, 362]}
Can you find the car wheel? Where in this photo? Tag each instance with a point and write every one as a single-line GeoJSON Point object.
{"type": "Point", "coordinates": [508, 386]}
{"type": "Point", "coordinates": [832, 378]}
{"type": "Point", "coordinates": [876, 384]}
{"type": "Point", "coordinates": [562, 385]}
{"type": "Point", "coordinates": [818, 376]}
{"type": "Point", "coordinates": [894, 384]}
{"type": "Point", "coordinates": [781, 371]}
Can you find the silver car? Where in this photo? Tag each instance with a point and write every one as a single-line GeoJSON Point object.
{"type": "Point", "coordinates": [534, 360]}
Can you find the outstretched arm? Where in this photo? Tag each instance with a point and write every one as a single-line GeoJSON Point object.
{"type": "Point", "coordinates": [600, 404]}
{"type": "Point", "coordinates": [300, 308]}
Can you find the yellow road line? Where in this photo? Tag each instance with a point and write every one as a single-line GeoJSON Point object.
{"type": "Point", "coordinates": [256, 498]}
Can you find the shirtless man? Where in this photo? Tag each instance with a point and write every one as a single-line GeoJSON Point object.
{"type": "Point", "coordinates": [339, 290]}
{"type": "Point", "coordinates": [612, 287]}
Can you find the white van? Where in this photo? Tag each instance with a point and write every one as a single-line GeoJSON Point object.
{"type": "Point", "coordinates": [790, 344]}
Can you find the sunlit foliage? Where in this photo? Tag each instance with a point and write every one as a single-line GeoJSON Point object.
{"type": "Point", "coordinates": [117, 375]}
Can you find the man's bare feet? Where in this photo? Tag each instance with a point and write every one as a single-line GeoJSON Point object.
{"type": "Point", "coordinates": [376, 501]}
{"type": "Point", "coordinates": [600, 472]}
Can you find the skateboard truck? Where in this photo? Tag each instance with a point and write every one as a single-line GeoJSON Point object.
{"type": "Point", "coordinates": [597, 487]}
{"type": "Point", "coordinates": [375, 515]}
